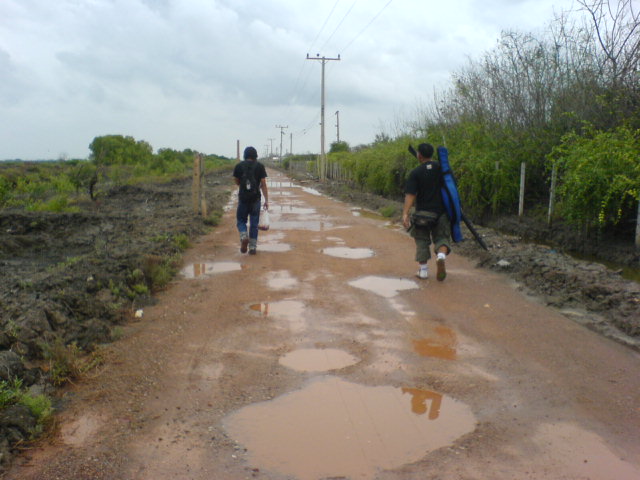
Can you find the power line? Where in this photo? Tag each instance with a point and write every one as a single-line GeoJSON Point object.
{"type": "Point", "coordinates": [339, 24]}
{"type": "Point", "coordinates": [367, 25]}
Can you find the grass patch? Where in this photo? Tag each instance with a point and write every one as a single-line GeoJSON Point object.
{"type": "Point", "coordinates": [13, 393]}
{"type": "Point", "coordinates": [68, 362]}
{"type": "Point", "coordinates": [388, 211]}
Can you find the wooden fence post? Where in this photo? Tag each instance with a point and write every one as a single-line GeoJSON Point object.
{"type": "Point", "coordinates": [638, 227]}
{"type": "Point", "coordinates": [552, 193]}
{"type": "Point", "coordinates": [523, 169]}
{"type": "Point", "coordinates": [197, 194]}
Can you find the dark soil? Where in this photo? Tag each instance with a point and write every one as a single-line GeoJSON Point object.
{"type": "Point", "coordinates": [74, 278]}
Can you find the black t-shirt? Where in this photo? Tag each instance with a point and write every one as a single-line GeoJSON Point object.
{"type": "Point", "coordinates": [259, 171]}
{"type": "Point", "coordinates": [425, 181]}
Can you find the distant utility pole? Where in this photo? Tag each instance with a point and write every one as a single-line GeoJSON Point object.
{"type": "Point", "coordinates": [338, 124]}
{"type": "Point", "coordinates": [323, 162]}
{"type": "Point", "coordinates": [291, 144]}
{"type": "Point", "coordinates": [271, 140]}
{"type": "Point", "coordinates": [281, 127]}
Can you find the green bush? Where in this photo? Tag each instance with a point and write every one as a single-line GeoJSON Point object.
{"type": "Point", "coordinates": [599, 176]}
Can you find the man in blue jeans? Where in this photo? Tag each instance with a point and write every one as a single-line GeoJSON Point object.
{"type": "Point", "coordinates": [251, 178]}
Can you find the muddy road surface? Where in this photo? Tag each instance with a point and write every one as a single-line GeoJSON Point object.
{"type": "Point", "coordinates": [324, 357]}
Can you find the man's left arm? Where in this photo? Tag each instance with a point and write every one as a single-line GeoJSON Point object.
{"type": "Point", "coordinates": [409, 200]}
{"type": "Point", "coordinates": [265, 192]}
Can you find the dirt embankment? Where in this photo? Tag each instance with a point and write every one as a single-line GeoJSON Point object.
{"type": "Point", "coordinates": [76, 277]}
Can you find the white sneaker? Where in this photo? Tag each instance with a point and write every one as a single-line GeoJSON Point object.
{"type": "Point", "coordinates": [422, 273]}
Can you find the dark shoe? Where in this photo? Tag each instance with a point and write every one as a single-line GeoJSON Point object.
{"type": "Point", "coordinates": [441, 273]}
{"type": "Point", "coordinates": [252, 251]}
{"type": "Point", "coordinates": [243, 244]}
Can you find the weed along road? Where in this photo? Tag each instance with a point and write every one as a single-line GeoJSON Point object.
{"type": "Point", "coordinates": [323, 356]}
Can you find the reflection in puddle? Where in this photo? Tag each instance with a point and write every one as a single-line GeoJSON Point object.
{"type": "Point", "coordinates": [442, 345]}
{"type": "Point", "coordinates": [313, 225]}
{"type": "Point", "coordinates": [286, 209]}
{"type": "Point", "coordinates": [291, 311]}
{"type": "Point", "coordinates": [317, 360]}
{"type": "Point", "coordinates": [383, 286]}
{"type": "Point", "coordinates": [333, 428]}
{"type": "Point", "coordinates": [196, 270]}
{"type": "Point", "coordinates": [346, 252]}
{"type": "Point", "coordinates": [281, 280]}
{"type": "Point", "coordinates": [275, 247]}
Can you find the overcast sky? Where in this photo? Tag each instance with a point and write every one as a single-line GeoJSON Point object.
{"type": "Point", "coordinates": [203, 74]}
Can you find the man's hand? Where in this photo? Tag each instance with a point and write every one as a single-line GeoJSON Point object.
{"type": "Point", "coordinates": [406, 221]}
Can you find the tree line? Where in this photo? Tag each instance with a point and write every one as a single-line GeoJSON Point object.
{"type": "Point", "coordinates": [566, 98]}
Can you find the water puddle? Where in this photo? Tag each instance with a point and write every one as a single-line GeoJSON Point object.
{"type": "Point", "coordinates": [196, 270]}
{"type": "Point", "coordinates": [313, 225]}
{"type": "Point", "coordinates": [318, 360]}
{"type": "Point", "coordinates": [383, 286]}
{"type": "Point", "coordinates": [441, 345]}
{"type": "Point", "coordinates": [274, 247]}
{"type": "Point", "coordinates": [346, 252]}
{"type": "Point", "coordinates": [290, 209]}
{"type": "Point", "coordinates": [334, 428]}
{"type": "Point", "coordinates": [359, 212]}
{"type": "Point", "coordinates": [274, 184]}
{"type": "Point", "coordinates": [289, 311]}
{"type": "Point", "coordinates": [312, 191]}
{"type": "Point", "coordinates": [281, 280]}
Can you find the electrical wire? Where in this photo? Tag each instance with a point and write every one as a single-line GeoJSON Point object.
{"type": "Point", "coordinates": [366, 26]}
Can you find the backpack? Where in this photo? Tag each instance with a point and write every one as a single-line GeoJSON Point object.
{"type": "Point", "coordinates": [249, 187]}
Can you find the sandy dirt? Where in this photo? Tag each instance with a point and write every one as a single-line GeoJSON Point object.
{"type": "Point", "coordinates": [324, 357]}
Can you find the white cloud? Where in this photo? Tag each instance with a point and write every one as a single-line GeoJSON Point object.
{"type": "Point", "coordinates": [202, 73]}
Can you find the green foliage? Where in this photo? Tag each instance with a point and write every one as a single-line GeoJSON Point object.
{"type": "Point", "coordinates": [13, 393]}
{"type": "Point", "coordinates": [214, 218]}
{"type": "Point", "coordinates": [388, 211]}
{"type": "Point", "coordinates": [340, 146]}
{"type": "Point", "coordinates": [181, 241]}
{"type": "Point", "coordinates": [599, 176]}
{"type": "Point", "coordinates": [119, 150]}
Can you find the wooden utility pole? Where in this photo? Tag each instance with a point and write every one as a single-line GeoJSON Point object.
{"type": "Point", "coordinates": [271, 140]}
{"type": "Point", "coordinates": [323, 163]}
{"type": "Point", "coordinates": [338, 125]}
{"type": "Point", "coordinates": [281, 127]}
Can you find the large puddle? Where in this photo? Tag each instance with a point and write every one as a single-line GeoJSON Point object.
{"type": "Point", "coordinates": [196, 270]}
{"type": "Point", "coordinates": [334, 428]}
{"type": "Point", "coordinates": [346, 252]}
{"type": "Point", "coordinates": [383, 286]}
{"type": "Point", "coordinates": [318, 360]}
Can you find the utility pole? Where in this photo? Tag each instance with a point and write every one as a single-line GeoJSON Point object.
{"type": "Point", "coordinates": [291, 144]}
{"type": "Point", "coordinates": [338, 124]}
{"type": "Point", "coordinates": [281, 127]}
{"type": "Point", "coordinates": [271, 140]}
{"type": "Point", "coordinates": [323, 160]}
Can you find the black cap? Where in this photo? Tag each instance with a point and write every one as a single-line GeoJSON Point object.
{"type": "Point", "coordinates": [251, 153]}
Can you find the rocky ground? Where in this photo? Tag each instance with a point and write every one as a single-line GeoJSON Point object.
{"type": "Point", "coordinates": [77, 277]}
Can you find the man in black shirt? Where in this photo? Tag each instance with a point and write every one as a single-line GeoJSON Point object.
{"type": "Point", "coordinates": [251, 178]}
{"type": "Point", "coordinates": [429, 223]}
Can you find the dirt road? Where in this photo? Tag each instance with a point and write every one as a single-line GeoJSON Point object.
{"type": "Point", "coordinates": [323, 356]}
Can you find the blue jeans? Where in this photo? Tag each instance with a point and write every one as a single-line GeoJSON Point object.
{"type": "Point", "coordinates": [248, 212]}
